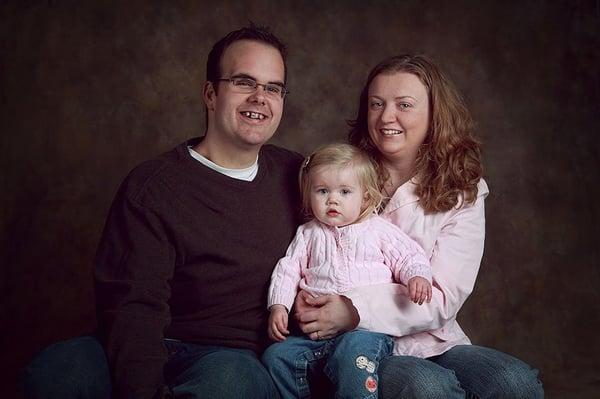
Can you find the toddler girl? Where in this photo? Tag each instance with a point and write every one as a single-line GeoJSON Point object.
{"type": "Point", "coordinates": [345, 245]}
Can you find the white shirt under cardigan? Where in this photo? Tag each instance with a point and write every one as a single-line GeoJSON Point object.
{"type": "Point", "coordinates": [453, 241]}
{"type": "Point", "coordinates": [333, 260]}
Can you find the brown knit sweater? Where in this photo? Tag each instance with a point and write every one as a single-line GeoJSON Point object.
{"type": "Point", "coordinates": [187, 253]}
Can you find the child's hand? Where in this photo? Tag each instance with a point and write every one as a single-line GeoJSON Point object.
{"type": "Point", "coordinates": [278, 322]}
{"type": "Point", "coordinates": [419, 290]}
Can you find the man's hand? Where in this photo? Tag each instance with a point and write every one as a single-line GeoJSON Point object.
{"type": "Point", "coordinates": [278, 323]}
{"type": "Point", "coordinates": [325, 316]}
{"type": "Point", "coordinates": [419, 290]}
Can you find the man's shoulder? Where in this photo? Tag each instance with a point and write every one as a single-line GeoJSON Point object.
{"type": "Point", "coordinates": [149, 171]}
{"type": "Point", "coordinates": [280, 153]}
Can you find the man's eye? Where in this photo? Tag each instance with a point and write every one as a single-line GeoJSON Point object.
{"type": "Point", "coordinates": [274, 89]}
{"type": "Point", "coordinates": [244, 82]}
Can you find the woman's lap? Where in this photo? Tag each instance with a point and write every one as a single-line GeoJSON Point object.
{"type": "Point", "coordinates": [463, 371]}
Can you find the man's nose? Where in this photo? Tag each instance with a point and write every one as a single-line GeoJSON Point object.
{"type": "Point", "coordinates": [258, 96]}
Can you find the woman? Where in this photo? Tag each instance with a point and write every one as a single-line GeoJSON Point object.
{"type": "Point", "coordinates": [412, 121]}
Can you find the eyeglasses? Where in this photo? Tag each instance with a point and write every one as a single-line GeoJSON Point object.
{"type": "Point", "coordinates": [249, 85]}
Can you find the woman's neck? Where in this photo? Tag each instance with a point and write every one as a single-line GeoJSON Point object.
{"type": "Point", "coordinates": [399, 173]}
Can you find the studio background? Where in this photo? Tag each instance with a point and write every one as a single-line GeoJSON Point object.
{"type": "Point", "coordinates": [90, 89]}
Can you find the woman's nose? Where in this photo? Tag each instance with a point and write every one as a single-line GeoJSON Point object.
{"type": "Point", "coordinates": [388, 114]}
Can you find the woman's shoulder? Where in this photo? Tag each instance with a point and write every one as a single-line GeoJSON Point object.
{"type": "Point", "coordinates": [482, 188]}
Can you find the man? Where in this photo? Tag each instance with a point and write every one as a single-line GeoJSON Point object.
{"type": "Point", "coordinates": [185, 259]}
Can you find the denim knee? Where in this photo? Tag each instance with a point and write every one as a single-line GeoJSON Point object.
{"type": "Point", "coordinates": [411, 377]}
{"type": "Point", "coordinates": [225, 374]}
{"type": "Point", "coordinates": [488, 373]}
{"type": "Point", "coordinates": [76, 368]}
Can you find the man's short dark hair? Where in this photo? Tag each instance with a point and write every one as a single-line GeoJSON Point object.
{"type": "Point", "coordinates": [253, 32]}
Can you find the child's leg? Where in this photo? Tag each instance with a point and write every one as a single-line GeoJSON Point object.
{"type": "Point", "coordinates": [352, 367]}
{"type": "Point", "coordinates": [288, 364]}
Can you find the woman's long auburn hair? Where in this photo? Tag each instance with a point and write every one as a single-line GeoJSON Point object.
{"type": "Point", "coordinates": [448, 164]}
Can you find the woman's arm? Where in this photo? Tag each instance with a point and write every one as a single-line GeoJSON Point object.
{"type": "Point", "coordinates": [455, 261]}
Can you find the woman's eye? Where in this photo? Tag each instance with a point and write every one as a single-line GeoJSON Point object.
{"type": "Point", "coordinates": [376, 104]}
{"type": "Point", "coordinates": [404, 105]}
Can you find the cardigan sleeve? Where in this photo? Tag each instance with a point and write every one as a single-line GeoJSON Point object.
{"type": "Point", "coordinates": [455, 262]}
{"type": "Point", "coordinates": [288, 272]}
{"type": "Point", "coordinates": [403, 255]}
{"type": "Point", "coordinates": [134, 264]}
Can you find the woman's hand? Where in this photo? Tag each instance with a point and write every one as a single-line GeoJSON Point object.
{"type": "Point", "coordinates": [325, 316]}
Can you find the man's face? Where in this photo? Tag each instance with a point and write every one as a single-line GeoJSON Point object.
{"type": "Point", "coordinates": [241, 120]}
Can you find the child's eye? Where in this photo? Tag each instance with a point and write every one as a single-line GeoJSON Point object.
{"type": "Point", "coordinates": [346, 191]}
{"type": "Point", "coordinates": [322, 191]}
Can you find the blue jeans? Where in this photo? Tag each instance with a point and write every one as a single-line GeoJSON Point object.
{"type": "Point", "coordinates": [465, 371]}
{"type": "Point", "coordinates": [350, 361]}
{"type": "Point", "coordinates": [77, 368]}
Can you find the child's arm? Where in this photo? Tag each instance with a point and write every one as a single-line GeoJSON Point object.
{"type": "Point", "coordinates": [278, 323]}
{"type": "Point", "coordinates": [288, 272]}
{"type": "Point", "coordinates": [407, 261]}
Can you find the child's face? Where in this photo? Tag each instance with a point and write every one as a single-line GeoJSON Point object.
{"type": "Point", "coordinates": [336, 195]}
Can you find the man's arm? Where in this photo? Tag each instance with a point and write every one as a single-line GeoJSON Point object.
{"type": "Point", "coordinates": [134, 264]}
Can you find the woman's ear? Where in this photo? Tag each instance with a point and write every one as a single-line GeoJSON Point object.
{"type": "Point", "coordinates": [209, 96]}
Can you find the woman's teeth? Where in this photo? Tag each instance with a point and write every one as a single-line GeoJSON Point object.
{"type": "Point", "coordinates": [253, 115]}
{"type": "Point", "coordinates": [390, 132]}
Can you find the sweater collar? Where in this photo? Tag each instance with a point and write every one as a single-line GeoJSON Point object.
{"type": "Point", "coordinates": [405, 194]}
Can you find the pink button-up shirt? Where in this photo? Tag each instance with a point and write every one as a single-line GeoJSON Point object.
{"type": "Point", "coordinates": [453, 241]}
{"type": "Point", "coordinates": [333, 260]}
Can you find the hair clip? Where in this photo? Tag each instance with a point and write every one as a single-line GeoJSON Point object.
{"type": "Point", "coordinates": [306, 163]}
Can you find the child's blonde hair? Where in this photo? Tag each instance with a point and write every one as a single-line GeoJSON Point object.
{"type": "Point", "coordinates": [342, 155]}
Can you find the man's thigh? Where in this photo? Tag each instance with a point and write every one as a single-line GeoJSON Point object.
{"type": "Point", "coordinates": [198, 371]}
{"type": "Point", "coordinates": [76, 368]}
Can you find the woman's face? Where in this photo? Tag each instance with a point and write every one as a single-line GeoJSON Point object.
{"type": "Point", "coordinates": [398, 118]}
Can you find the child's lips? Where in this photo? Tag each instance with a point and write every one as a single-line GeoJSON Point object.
{"type": "Point", "coordinates": [332, 213]}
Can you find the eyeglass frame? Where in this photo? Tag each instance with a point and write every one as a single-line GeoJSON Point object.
{"type": "Point", "coordinates": [284, 90]}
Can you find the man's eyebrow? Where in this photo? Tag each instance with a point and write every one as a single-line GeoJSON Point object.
{"type": "Point", "coordinates": [245, 75]}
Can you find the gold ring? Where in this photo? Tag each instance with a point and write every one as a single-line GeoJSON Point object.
{"type": "Point", "coordinates": [318, 337]}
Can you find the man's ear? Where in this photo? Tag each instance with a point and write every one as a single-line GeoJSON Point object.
{"type": "Point", "coordinates": [209, 96]}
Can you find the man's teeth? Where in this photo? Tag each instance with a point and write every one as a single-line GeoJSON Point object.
{"type": "Point", "coordinates": [390, 132]}
{"type": "Point", "coordinates": [253, 115]}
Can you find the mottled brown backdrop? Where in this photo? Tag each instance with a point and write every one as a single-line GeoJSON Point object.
{"type": "Point", "coordinates": [89, 89]}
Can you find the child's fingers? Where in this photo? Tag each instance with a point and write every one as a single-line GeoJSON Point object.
{"type": "Point", "coordinates": [422, 294]}
{"type": "Point", "coordinates": [418, 293]}
{"type": "Point", "coordinates": [429, 293]}
{"type": "Point", "coordinates": [412, 291]}
{"type": "Point", "coordinates": [282, 326]}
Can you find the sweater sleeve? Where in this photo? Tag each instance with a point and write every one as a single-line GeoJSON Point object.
{"type": "Point", "coordinates": [288, 272]}
{"type": "Point", "coordinates": [134, 264]}
{"type": "Point", "coordinates": [405, 257]}
{"type": "Point", "coordinates": [455, 263]}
